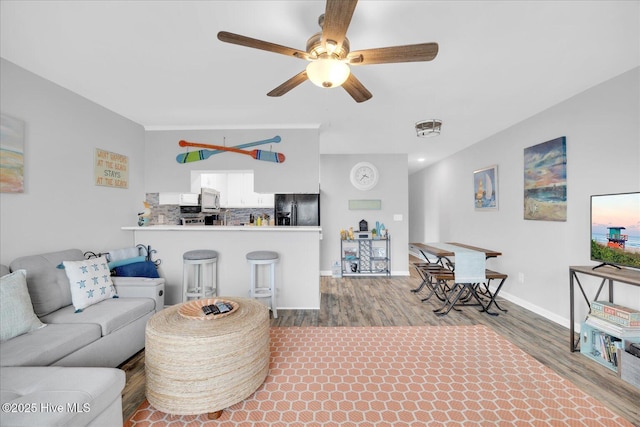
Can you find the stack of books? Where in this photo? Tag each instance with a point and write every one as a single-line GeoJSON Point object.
{"type": "Point", "coordinates": [614, 319]}
{"type": "Point", "coordinates": [615, 323]}
{"type": "Point", "coordinates": [613, 313]}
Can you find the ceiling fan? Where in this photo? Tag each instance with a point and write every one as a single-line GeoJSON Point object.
{"type": "Point", "coordinates": [329, 55]}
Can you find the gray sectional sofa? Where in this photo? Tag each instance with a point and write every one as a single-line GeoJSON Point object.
{"type": "Point", "coordinates": [69, 363]}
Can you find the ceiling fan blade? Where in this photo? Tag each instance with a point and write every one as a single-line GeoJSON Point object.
{"type": "Point", "coordinates": [394, 54]}
{"type": "Point", "coordinates": [260, 44]}
{"type": "Point", "coordinates": [289, 84]}
{"type": "Point", "coordinates": [337, 17]}
{"type": "Point", "coordinates": [356, 89]}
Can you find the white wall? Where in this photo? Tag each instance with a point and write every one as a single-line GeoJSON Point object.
{"type": "Point", "coordinates": [299, 173]}
{"type": "Point", "coordinates": [602, 126]}
{"type": "Point", "coordinates": [61, 207]}
{"type": "Point", "coordinates": [336, 191]}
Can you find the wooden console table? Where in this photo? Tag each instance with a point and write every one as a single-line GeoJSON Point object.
{"type": "Point", "coordinates": [610, 274]}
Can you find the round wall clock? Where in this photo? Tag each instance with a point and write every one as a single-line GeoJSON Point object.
{"type": "Point", "coordinates": [364, 176]}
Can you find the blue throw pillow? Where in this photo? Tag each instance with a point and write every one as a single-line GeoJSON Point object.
{"type": "Point", "coordinates": [138, 269]}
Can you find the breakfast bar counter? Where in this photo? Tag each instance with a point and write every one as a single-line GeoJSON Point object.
{"type": "Point", "coordinates": [297, 272]}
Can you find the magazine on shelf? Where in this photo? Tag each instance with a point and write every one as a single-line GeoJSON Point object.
{"type": "Point", "coordinates": [608, 347]}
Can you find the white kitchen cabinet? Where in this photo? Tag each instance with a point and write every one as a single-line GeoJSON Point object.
{"type": "Point", "coordinates": [264, 200]}
{"type": "Point", "coordinates": [169, 198]}
{"type": "Point", "coordinates": [236, 189]}
{"type": "Point", "coordinates": [241, 194]}
{"type": "Point", "coordinates": [189, 199]}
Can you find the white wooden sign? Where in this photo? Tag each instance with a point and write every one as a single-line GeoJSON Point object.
{"type": "Point", "coordinates": [111, 169]}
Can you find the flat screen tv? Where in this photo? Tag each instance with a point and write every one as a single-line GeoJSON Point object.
{"type": "Point", "coordinates": [615, 229]}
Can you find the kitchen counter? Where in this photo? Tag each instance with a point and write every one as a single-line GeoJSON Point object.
{"type": "Point", "coordinates": [297, 272]}
{"type": "Point", "coordinates": [224, 228]}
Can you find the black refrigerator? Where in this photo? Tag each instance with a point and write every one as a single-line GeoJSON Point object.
{"type": "Point", "coordinates": [297, 209]}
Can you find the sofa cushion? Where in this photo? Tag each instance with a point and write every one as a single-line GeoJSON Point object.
{"type": "Point", "coordinates": [4, 270]}
{"type": "Point", "coordinates": [16, 312]}
{"type": "Point", "coordinates": [45, 346]}
{"type": "Point", "coordinates": [90, 281]}
{"type": "Point", "coordinates": [48, 285]}
{"type": "Point", "coordinates": [84, 394]}
{"type": "Point", "coordinates": [111, 314]}
{"type": "Point", "coordinates": [138, 269]}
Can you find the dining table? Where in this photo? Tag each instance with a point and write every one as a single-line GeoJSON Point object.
{"type": "Point", "coordinates": [439, 271]}
{"type": "Point", "coordinates": [446, 250]}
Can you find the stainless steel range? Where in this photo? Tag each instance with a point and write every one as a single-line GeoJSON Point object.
{"type": "Point", "coordinates": [192, 221]}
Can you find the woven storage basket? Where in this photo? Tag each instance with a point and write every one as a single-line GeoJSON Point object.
{"type": "Point", "coordinates": [195, 367]}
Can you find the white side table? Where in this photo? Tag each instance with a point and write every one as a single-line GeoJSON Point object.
{"type": "Point", "coordinates": [141, 287]}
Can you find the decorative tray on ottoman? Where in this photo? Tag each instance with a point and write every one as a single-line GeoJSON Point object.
{"type": "Point", "coordinates": [193, 309]}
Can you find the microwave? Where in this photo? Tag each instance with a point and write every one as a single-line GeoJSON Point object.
{"type": "Point", "coordinates": [209, 200]}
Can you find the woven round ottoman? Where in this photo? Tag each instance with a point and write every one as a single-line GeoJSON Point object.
{"type": "Point", "coordinates": [203, 366]}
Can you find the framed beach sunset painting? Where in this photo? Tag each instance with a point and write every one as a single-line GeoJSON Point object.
{"type": "Point", "coordinates": [11, 155]}
{"type": "Point", "coordinates": [545, 181]}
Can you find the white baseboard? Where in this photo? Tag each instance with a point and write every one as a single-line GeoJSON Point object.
{"type": "Point", "coordinates": [401, 273]}
{"type": "Point", "coordinates": [534, 308]}
{"type": "Point", "coordinates": [393, 273]}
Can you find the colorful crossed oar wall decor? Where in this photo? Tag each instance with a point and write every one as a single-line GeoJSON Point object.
{"type": "Point", "coordinates": [208, 150]}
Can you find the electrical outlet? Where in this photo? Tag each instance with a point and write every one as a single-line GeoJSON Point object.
{"type": "Point", "coordinates": [397, 217]}
{"type": "Point", "coordinates": [520, 277]}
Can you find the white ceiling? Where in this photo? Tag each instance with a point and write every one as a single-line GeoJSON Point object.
{"type": "Point", "coordinates": [160, 64]}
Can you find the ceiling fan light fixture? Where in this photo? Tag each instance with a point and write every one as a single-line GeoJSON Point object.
{"type": "Point", "coordinates": [330, 56]}
{"type": "Point", "coordinates": [331, 46]}
{"type": "Point", "coordinates": [428, 128]}
{"type": "Point", "coordinates": [327, 72]}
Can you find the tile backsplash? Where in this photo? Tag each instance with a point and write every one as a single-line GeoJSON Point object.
{"type": "Point", "coordinates": [170, 214]}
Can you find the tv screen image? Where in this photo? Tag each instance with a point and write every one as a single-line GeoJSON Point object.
{"type": "Point", "coordinates": [615, 229]}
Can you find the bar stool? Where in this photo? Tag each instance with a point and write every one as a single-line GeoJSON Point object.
{"type": "Point", "coordinates": [256, 259]}
{"type": "Point", "coordinates": [202, 286]}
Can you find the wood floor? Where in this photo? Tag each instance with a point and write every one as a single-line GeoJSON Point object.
{"type": "Point", "coordinates": [383, 301]}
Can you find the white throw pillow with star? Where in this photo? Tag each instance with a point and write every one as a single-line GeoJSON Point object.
{"type": "Point", "coordinates": [90, 282]}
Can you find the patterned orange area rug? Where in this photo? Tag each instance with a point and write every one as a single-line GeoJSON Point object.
{"type": "Point", "coordinates": [401, 376]}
